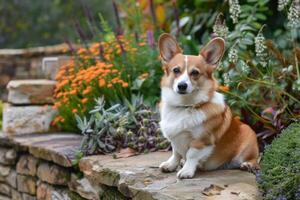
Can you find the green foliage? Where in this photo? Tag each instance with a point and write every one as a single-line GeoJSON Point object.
{"type": "Point", "coordinates": [26, 23]}
{"type": "Point", "coordinates": [117, 68]}
{"type": "Point", "coordinates": [261, 75]}
{"type": "Point", "coordinates": [132, 125]}
{"type": "Point", "coordinates": [280, 166]}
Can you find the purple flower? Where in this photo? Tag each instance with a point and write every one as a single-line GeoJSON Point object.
{"type": "Point", "coordinates": [150, 38]}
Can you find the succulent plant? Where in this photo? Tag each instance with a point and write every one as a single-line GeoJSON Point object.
{"type": "Point", "coordinates": [133, 125]}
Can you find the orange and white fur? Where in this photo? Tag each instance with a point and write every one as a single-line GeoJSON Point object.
{"type": "Point", "coordinates": [195, 117]}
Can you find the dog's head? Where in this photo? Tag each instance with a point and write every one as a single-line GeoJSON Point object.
{"type": "Point", "coordinates": [189, 78]}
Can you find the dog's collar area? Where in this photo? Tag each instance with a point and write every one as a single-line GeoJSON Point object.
{"type": "Point", "coordinates": [197, 105]}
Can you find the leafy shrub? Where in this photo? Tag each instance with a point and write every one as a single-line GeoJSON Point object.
{"type": "Point", "coordinates": [280, 166]}
{"type": "Point", "coordinates": [262, 77]}
{"type": "Point", "coordinates": [133, 125]}
{"type": "Point", "coordinates": [115, 68]}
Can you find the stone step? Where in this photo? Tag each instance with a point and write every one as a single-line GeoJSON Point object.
{"type": "Point", "coordinates": [51, 65]}
{"type": "Point", "coordinates": [59, 148]}
{"type": "Point", "coordinates": [19, 120]}
{"type": "Point", "coordinates": [139, 178]}
{"type": "Point", "coordinates": [31, 92]}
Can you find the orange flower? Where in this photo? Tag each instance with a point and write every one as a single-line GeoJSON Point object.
{"type": "Point", "coordinates": [56, 105]}
{"type": "Point", "coordinates": [81, 50]}
{"type": "Point", "coordinates": [114, 71]}
{"type": "Point", "coordinates": [109, 85]}
{"type": "Point", "coordinates": [87, 90]}
{"type": "Point", "coordinates": [74, 110]}
{"type": "Point", "coordinates": [101, 82]}
{"type": "Point", "coordinates": [84, 101]}
{"type": "Point", "coordinates": [125, 85]}
{"type": "Point", "coordinates": [224, 88]}
{"type": "Point", "coordinates": [119, 51]}
{"type": "Point", "coordinates": [58, 95]}
{"type": "Point", "coordinates": [73, 92]}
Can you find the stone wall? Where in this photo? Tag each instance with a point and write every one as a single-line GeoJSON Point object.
{"type": "Point", "coordinates": [41, 167]}
{"type": "Point", "coordinates": [30, 170]}
{"type": "Point", "coordinates": [25, 63]}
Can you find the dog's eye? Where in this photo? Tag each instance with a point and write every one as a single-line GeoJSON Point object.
{"type": "Point", "coordinates": [176, 70]}
{"type": "Point", "coordinates": [195, 73]}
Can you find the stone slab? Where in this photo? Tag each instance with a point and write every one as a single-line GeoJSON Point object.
{"type": "Point", "coordinates": [15, 195]}
{"type": "Point", "coordinates": [7, 156]}
{"type": "Point", "coordinates": [53, 174]}
{"type": "Point", "coordinates": [5, 189]}
{"type": "Point", "coordinates": [4, 172]}
{"type": "Point", "coordinates": [139, 178]}
{"type": "Point", "coordinates": [2, 197]}
{"type": "Point", "coordinates": [26, 184]}
{"type": "Point", "coordinates": [31, 92]}
{"type": "Point", "coordinates": [51, 65]}
{"type": "Point", "coordinates": [84, 188]}
{"type": "Point", "coordinates": [11, 179]}
{"type": "Point", "coordinates": [27, 119]}
{"type": "Point", "coordinates": [59, 148]}
{"type": "Point", "coordinates": [27, 165]}
{"type": "Point", "coordinates": [49, 192]}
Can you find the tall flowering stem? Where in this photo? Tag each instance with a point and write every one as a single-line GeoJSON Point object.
{"type": "Point", "coordinates": [220, 27]}
{"type": "Point", "coordinates": [116, 11]}
{"type": "Point", "coordinates": [152, 11]}
{"type": "Point", "coordinates": [282, 4]}
{"type": "Point", "coordinates": [176, 15]}
{"type": "Point", "coordinates": [260, 47]}
{"type": "Point", "coordinates": [235, 10]}
{"type": "Point", "coordinates": [294, 15]}
{"type": "Point", "coordinates": [150, 39]}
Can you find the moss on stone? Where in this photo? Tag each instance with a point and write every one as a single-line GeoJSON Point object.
{"type": "Point", "coordinates": [74, 196]}
{"type": "Point", "coordinates": [113, 176]}
{"type": "Point", "coordinates": [111, 193]}
{"type": "Point", "coordinates": [280, 167]}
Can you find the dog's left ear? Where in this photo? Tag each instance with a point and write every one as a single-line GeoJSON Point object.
{"type": "Point", "coordinates": [213, 51]}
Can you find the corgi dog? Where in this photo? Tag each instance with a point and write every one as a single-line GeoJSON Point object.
{"type": "Point", "coordinates": [195, 117]}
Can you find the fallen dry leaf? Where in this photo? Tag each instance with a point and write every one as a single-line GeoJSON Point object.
{"type": "Point", "coordinates": [125, 153]}
{"type": "Point", "coordinates": [235, 193]}
{"type": "Point", "coordinates": [212, 190]}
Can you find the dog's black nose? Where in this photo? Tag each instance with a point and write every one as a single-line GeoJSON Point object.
{"type": "Point", "coordinates": [182, 86]}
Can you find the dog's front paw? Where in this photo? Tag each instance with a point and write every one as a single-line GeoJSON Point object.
{"type": "Point", "coordinates": [185, 173]}
{"type": "Point", "coordinates": [167, 166]}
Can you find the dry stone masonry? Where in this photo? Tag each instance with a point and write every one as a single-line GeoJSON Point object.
{"type": "Point", "coordinates": [27, 172]}
{"type": "Point", "coordinates": [38, 165]}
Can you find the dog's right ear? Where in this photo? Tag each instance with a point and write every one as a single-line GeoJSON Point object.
{"type": "Point", "coordinates": [168, 47]}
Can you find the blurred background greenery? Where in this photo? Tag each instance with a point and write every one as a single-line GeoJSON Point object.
{"type": "Point", "coordinates": [29, 23]}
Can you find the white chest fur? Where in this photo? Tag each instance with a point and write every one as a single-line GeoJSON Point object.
{"type": "Point", "coordinates": [175, 120]}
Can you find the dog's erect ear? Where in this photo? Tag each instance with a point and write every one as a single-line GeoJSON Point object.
{"type": "Point", "coordinates": [168, 47]}
{"type": "Point", "coordinates": [213, 51]}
